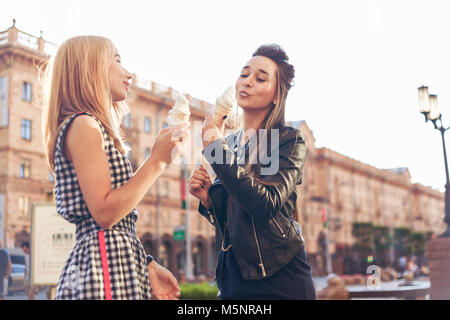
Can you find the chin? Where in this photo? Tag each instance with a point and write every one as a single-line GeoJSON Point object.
{"type": "Point", "coordinates": [120, 97]}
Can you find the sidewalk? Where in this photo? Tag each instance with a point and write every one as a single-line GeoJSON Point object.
{"type": "Point", "coordinates": [21, 295]}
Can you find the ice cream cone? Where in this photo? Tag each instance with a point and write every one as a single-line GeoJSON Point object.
{"type": "Point", "coordinates": [180, 112]}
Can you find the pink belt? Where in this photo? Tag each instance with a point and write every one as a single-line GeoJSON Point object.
{"type": "Point", "coordinates": [105, 266]}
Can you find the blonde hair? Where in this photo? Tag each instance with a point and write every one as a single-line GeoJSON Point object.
{"type": "Point", "coordinates": [76, 80]}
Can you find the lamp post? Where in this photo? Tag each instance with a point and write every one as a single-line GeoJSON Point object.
{"type": "Point", "coordinates": [430, 109]}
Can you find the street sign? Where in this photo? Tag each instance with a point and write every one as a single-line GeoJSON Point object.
{"type": "Point", "coordinates": [179, 233]}
{"type": "Point", "coordinates": [52, 239]}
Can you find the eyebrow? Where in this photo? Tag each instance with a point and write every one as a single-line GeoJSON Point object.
{"type": "Point", "coordinates": [260, 70]}
{"type": "Point", "coordinates": [117, 55]}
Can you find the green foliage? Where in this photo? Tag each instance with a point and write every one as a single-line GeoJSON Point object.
{"type": "Point", "coordinates": [363, 234]}
{"type": "Point", "coordinates": [381, 237]}
{"type": "Point", "coordinates": [382, 242]}
{"type": "Point", "coordinates": [198, 291]}
{"type": "Point", "coordinates": [402, 241]}
{"type": "Point", "coordinates": [418, 243]}
{"type": "Point", "coordinates": [378, 240]}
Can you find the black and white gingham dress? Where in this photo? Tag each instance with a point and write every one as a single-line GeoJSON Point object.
{"type": "Point", "coordinates": [82, 276]}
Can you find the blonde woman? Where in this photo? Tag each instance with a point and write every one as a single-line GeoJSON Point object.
{"type": "Point", "coordinates": [95, 188]}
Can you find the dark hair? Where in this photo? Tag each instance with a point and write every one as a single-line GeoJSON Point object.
{"type": "Point", "coordinates": [284, 76]}
{"type": "Point", "coordinates": [275, 117]}
{"type": "Point", "coordinates": [274, 52]}
{"type": "Point", "coordinates": [25, 244]}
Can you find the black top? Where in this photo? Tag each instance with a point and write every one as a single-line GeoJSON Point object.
{"type": "Point", "coordinates": [292, 282]}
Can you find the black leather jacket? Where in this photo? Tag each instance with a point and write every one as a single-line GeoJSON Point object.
{"type": "Point", "coordinates": [258, 215]}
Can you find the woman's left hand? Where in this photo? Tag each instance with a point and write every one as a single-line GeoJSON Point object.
{"type": "Point", "coordinates": [211, 130]}
{"type": "Point", "coordinates": [163, 283]}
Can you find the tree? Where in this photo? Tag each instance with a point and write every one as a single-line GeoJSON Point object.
{"type": "Point", "coordinates": [363, 246]}
{"type": "Point", "coordinates": [382, 242]}
{"type": "Point", "coordinates": [402, 241]}
{"type": "Point", "coordinates": [418, 243]}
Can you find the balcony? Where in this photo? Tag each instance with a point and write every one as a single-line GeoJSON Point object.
{"type": "Point", "coordinates": [17, 37]}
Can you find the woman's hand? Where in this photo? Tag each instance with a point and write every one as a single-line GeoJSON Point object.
{"type": "Point", "coordinates": [163, 283]}
{"type": "Point", "coordinates": [170, 143]}
{"type": "Point", "coordinates": [199, 183]}
{"type": "Point", "coordinates": [211, 130]}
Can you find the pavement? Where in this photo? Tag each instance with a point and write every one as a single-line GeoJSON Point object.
{"type": "Point", "coordinates": [21, 295]}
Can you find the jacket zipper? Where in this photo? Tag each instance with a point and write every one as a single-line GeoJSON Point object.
{"type": "Point", "coordinates": [279, 227]}
{"type": "Point", "coordinates": [261, 265]}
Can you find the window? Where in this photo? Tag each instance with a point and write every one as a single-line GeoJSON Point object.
{"type": "Point", "coordinates": [25, 169]}
{"type": "Point", "coordinates": [26, 91]}
{"type": "Point", "coordinates": [166, 219]}
{"type": "Point", "coordinates": [150, 217]}
{"type": "Point", "coordinates": [182, 219]}
{"type": "Point", "coordinates": [165, 189]}
{"type": "Point", "coordinates": [26, 129]}
{"type": "Point", "coordinates": [128, 155]}
{"type": "Point", "coordinates": [127, 120]}
{"type": "Point", "coordinates": [147, 125]}
{"type": "Point", "coordinates": [147, 152]}
{"type": "Point", "coordinates": [24, 207]}
{"type": "Point", "coordinates": [50, 197]}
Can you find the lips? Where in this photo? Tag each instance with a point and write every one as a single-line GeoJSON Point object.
{"type": "Point", "coordinates": [243, 94]}
{"type": "Point", "coordinates": [126, 85]}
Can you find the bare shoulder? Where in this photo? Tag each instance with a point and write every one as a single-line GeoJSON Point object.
{"type": "Point", "coordinates": [84, 132]}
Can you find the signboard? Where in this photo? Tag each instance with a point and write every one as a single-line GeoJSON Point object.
{"type": "Point", "coordinates": [4, 117]}
{"type": "Point", "coordinates": [52, 239]}
{"type": "Point", "coordinates": [178, 233]}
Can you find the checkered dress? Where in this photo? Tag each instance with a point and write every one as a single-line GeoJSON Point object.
{"type": "Point", "coordinates": [82, 276]}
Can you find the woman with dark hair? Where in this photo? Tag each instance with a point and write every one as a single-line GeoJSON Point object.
{"type": "Point", "coordinates": [252, 202]}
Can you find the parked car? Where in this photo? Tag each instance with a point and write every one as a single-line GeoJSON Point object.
{"type": "Point", "coordinates": [17, 280]}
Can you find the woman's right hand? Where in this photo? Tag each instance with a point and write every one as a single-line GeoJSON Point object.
{"type": "Point", "coordinates": [170, 143]}
{"type": "Point", "coordinates": [199, 183]}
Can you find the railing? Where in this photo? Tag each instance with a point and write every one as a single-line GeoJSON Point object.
{"type": "Point", "coordinates": [167, 92]}
{"type": "Point", "coordinates": [13, 35]}
{"type": "Point", "coordinates": [3, 38]}
{"type": "Point", "coordinates": [27, 40]}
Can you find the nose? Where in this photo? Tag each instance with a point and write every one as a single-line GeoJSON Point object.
{"type": "Point", "coordinates": [128, 74]}
{"type": "Point", "coordinates": [247, 82]}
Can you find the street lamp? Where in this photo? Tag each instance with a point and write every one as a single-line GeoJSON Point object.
{"type": "Point", "coordinates": [429, 107]}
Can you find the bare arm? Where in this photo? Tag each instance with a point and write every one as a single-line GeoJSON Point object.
{"type": "Point", "coordinates": [84, 147]}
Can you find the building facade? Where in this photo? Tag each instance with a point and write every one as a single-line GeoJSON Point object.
{"type": "Point", "coordinates": [345, 189]}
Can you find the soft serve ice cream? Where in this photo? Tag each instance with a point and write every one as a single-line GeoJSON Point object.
{"type": "Point", "coordinates": [224, 104]}
{"type": "Point", "coordinates": [180, 112]}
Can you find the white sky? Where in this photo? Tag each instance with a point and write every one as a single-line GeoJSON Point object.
{"type": "Point", "coordinates": [358, 63]}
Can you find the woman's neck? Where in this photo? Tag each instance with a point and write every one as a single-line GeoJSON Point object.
{"type": "Point", "coordinates": [253, 120]}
